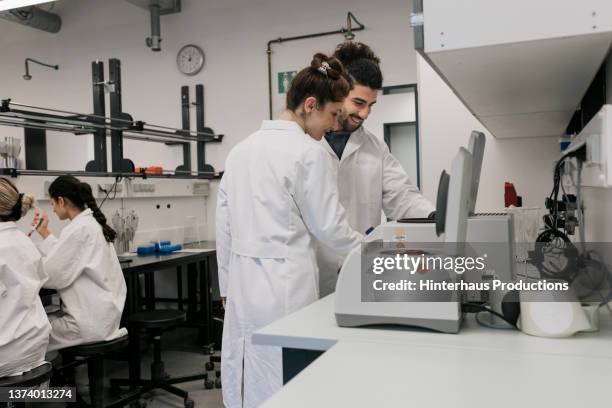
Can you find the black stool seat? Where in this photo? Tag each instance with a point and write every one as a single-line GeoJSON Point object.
{"type": "Point", "coordinates": [32, 378]}
{"type": "Point", "coordinates": [100, 347]}
{"type": "Point", "coordinates": [93, 355]}
{"type": "Point", "coordinates": [157, 319]}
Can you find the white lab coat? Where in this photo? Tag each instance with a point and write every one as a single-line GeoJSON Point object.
{"type": "Point", "coordinates": [85, 271]}
{"type": "Point", "coordinates": [370, 181]}
{"type": "Point", "coordinates": [275, 198]}
{"type": "Point", "coordinates": [24, 327]}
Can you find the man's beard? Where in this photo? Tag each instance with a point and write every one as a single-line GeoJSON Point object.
{"type": "Point", "coordinates": [347, 126]}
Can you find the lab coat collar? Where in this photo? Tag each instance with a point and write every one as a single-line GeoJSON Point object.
{"type": "Point", "coordinates": [83, 213]}
{"type": "Point", "coordinates": [355, 141]}
{"type": "Point", "coordinates": [7, 225]}
{"type": "Point", "coordinates": [328, 148]}
{"type": "Point", "coordinates": [281, 125]}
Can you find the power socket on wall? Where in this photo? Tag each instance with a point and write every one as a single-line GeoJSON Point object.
{"type": "Point", "coordinates": [201, 188]}
{"type": "Point", "coordinates": [143, 188]}
{"type": "Point", "coordinates": [105, 188]}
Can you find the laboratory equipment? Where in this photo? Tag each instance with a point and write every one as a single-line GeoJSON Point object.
{"type": "Point", "coordinates": [485, 233]}
{"type": "Point", "coordinates": [168, 249]}
{"type": "Point", "coordinates": [145, 250]}
{"type": "Point", "coordinates": [9, 150]}
{"type": "Point", "coordinates": [190, 230]}
{"type": "Point", "coordinates": [562, 315]}
{"type": "Point", "coordinates": [125, 227]}
{"type": "Point", "coordinates": [35, 226]}
{"type": "Point", "coordinates": [131, 225]}
{"type": "Point", "coordinates": [445, 316]}
{"type": "Point", "coordinates": [162, 247]}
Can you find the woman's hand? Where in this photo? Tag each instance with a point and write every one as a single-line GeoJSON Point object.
{"type": "Point", "coordinates": [224, 303]}
{"type": "Point", "coordinates": [41, 222]}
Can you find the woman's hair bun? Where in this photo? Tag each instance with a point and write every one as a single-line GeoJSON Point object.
{"type": "Point", "coordinates": [27, 202]}
{"type": "Point", "coordinates": [329, 66]}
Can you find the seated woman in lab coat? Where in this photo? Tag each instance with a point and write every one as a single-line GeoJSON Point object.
{"type": "Point", "coordinates": [24, 327]}
{"type": "Point", "coordinates": [277, 195]}
{"type": "Point", "coordinates": [82, 266]}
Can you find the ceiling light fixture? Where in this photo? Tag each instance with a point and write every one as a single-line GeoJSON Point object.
{"type": "Point", "coordinates": [13, 4]}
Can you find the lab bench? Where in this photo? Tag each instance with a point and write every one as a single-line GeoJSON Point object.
{"type": "Point", "coordinates": [201, 277]}
{"type": "Point", "coordinates": [398, 366]}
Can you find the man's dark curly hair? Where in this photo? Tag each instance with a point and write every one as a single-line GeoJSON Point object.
{"type": "Point", "coordinates": [361, 62]}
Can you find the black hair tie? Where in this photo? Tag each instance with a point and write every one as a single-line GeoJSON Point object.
{"type": "Point", "coordinates": [16, 213]}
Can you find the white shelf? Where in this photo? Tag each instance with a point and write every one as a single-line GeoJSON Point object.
{"type": "Point", "coordinates": [520, 67]}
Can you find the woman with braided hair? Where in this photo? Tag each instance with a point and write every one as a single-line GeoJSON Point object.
{"type": "Point", "coordinates": [24, 327]}
{"type": "Point", "coordinates": [82, 266]}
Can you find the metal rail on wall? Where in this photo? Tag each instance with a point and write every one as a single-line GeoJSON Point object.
{"type": "Point", "coordinates": [82, 123]}
{"type": "Point", "coordinates": [36, 120]}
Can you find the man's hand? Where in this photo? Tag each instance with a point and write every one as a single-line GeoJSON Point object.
{"type": "Point", "coordinates": [224, 303]}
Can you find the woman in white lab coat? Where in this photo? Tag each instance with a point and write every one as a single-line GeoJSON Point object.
{"type": "Point", "coordinates": [277, 196]}
{"type": "Point", "coordinates": [24, 327]}
{"type": "Point", "coordinates": [83, 267]}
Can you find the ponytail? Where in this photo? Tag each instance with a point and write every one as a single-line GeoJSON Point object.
{"type": "Point", "coordinates": [81, 196]}
{"type": "Point", "coordinates": [89, 200]}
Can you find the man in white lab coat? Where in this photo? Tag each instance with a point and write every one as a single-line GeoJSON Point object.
{"type": "Point", "coordinates": [370, 179]}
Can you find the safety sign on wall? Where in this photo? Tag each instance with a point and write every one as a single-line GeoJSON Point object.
{"type": "Point", "coordinates": [284, 79]}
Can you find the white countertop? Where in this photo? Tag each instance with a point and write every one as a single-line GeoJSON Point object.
{"type": "Point", "coordinates": [364, 374]}
{"type": "Point", "coordinates": [478, 367]}
{"type": "Point", "coordinates": [314, 328]}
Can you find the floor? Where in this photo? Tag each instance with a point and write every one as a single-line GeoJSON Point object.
{"type": "Point", "coordinates": [177, 363]}
{"type": "Point", "coordinates": [181, 356]}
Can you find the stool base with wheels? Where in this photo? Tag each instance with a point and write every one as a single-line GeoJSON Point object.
{"type": "Point", "coordinates": [155, 322]}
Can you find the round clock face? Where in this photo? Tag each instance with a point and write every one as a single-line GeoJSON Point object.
{"type": "Point", "coordinates": [190, 59]}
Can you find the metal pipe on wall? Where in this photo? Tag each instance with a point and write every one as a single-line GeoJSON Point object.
{"type": "Point", "coordinates": [347, 32]}
{"type": "Point", "coordinates": [154, 42]}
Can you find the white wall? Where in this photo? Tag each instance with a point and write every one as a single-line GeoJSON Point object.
{"type": "Point", "coordinates": [163, 216]}
{"type": "Point", "coordinates": [392, 108]}
{"type": "Point", "coordinates": [234, 34]}
{"type": "Point", "coordinates": [445, 125]}
{"type": "Point", "coordinates": [403, 140]}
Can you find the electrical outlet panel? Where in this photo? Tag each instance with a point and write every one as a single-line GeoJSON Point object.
{"type": "Point", "coordinates": [201, 188]}
{"type": "Point", "coordinates": [105, 188]}
{"type": "Point", "coordinates": [143, 188]}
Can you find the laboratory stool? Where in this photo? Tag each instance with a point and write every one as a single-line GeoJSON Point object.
{"type": "Point", "coordinates": [93, 354]}
{"type": "Point", "coordinates": [32, 378]}
{"type": "Point", "coordinates": [155, 322]}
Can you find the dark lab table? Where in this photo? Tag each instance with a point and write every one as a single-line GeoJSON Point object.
{"type": "Point", "coordinates": [200, 265]}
